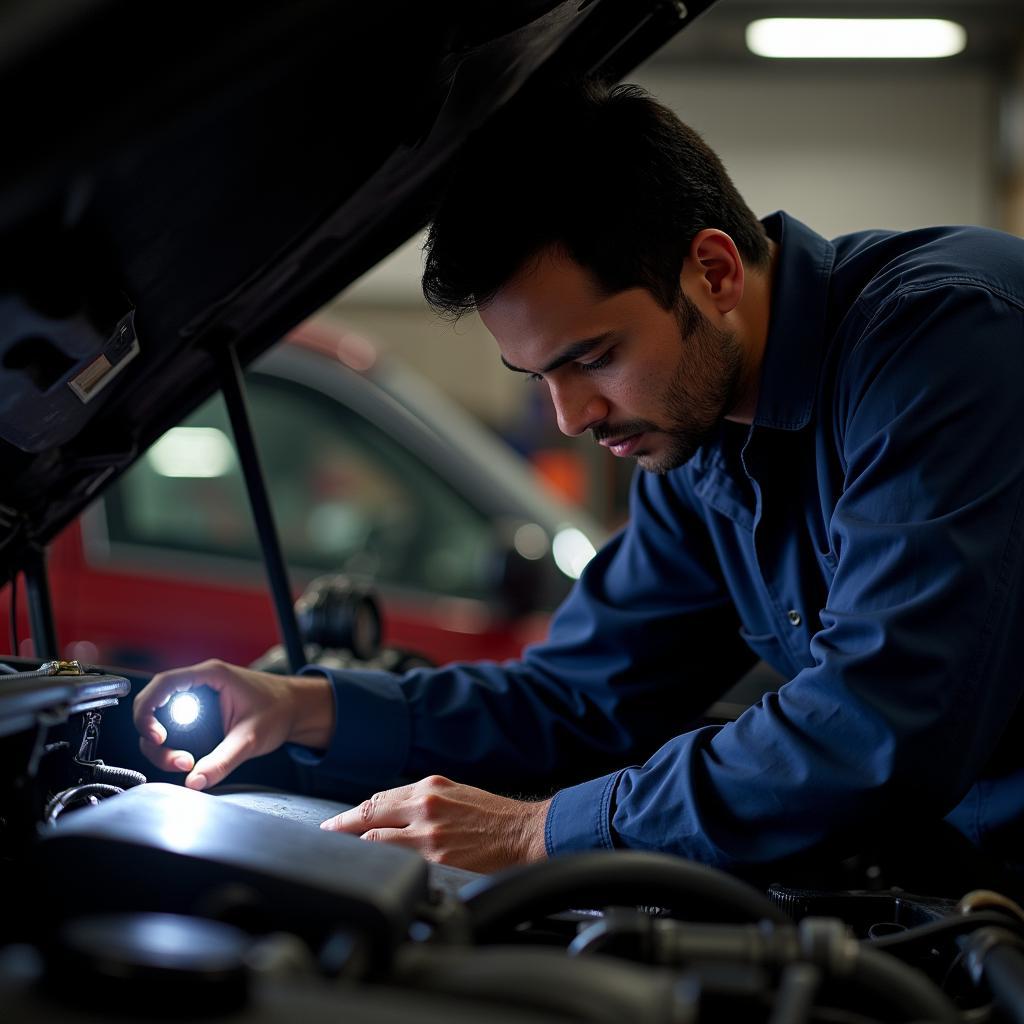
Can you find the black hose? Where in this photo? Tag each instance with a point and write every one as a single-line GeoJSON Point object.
{"type": "Point", "coordinates": [996, 956]}
{"type": "Point", "coordinates": [63, 800]}
{"type": "Point", "coordinates": [905, 988]}
{"type": "Point", "coordinates": [598, 990]}
{"type": "Point", "coordinates": [114, 776]}
{"type": "Point", "coordinates": [1004, 972]}
{"type": "Point", "coordinates": [795, 999]}
{"type": "Point", "coordinates": [691, 891]}
{"type": "Point", "coordinates": [817, 951]}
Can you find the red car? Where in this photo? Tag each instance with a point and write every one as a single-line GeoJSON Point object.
{"type": "Point", "coordinates": [371, 473]}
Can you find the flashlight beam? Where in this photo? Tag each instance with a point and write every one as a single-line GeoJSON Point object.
{"type": "Point", "coordinates": [184, 709]}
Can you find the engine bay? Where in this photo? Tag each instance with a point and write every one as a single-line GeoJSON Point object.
{"type": "Point", "coordinates": [143, 900]}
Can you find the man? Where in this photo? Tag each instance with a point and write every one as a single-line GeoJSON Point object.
{"type": "Point", "coordinates": [831, 449]}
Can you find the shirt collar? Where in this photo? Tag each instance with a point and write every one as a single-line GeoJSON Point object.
{"type": "Point", "coordinates": [796, 327]}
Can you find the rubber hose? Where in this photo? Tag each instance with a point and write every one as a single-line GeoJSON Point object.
{"type": "Point", "coordinates": [795, 999]}
{"type": "Point", "coordinates": [598, 990]}
{"type": "Point", "coordinates": [996, 956]}
{"type": "Point", "coordinates": [597, 880]}
{"type": "Point", "coordinates": [114, 776]}
{"type": "Point", "coordinates": [59, 803]}
{"type": "Point", "coordinates": [905, 988]}
{"type": "Point", "coordinates": [1004, 972]}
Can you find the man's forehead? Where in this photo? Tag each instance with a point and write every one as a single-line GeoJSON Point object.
{"type": "Point", "coordinates": [550, 302]}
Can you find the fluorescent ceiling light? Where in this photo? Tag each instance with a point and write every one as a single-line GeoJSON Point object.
{"type": "Point", "coordinates": [855, 37]}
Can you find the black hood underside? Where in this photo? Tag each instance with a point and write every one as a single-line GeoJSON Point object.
{"type": "Point", "coordinates": [182, 178]}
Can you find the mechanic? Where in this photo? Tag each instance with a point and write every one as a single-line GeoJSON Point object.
{"type": "Point", "coordinates": [830, 444]}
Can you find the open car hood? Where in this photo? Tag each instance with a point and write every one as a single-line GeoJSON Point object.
{"type": "Point", "coordinates": [184, 179]}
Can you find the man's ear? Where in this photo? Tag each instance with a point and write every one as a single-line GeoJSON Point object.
{"type": "Point", "coordinates": [714, 270]}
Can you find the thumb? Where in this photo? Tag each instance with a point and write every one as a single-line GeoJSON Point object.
{"type": "Point", "coordinates": [212, 768]}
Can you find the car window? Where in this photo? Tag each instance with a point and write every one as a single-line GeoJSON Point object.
{"type": "Point", "coordinates": [346, 496]}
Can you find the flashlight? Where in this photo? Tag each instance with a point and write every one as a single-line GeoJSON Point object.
{"type": "Point", "coordinates": [192, 720]}
{"type": "Point", "coordinates": [184, 709]}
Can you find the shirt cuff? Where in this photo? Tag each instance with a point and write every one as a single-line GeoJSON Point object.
{"type": "Point", "coordinates": [579, 817]}
{"type": "Point", "coordinates": [371, 727]}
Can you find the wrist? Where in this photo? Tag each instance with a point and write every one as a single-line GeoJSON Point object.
{"type": "Point", "coordinates": [312, 710]}
{"type": "Point", "coordinates": [535, 820]}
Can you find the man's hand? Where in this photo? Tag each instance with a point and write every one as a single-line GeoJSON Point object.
{"type": "Point", "coordinates": [451, 824]}
{"type": "Point", "coordinates": [260, 711]}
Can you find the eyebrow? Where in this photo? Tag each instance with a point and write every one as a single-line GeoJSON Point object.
{"type": "Point", "coordinates": [574, 351]}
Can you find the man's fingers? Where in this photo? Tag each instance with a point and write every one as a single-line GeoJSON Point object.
{"type": "Point", "coordinates": [155, 695]}
{"type": "Point", "coordinates": [235, 748]}
{"type": "Point", "coordinates": [395, 836]}
{"type": "Point", "coordinates": [387, 809]}
{"type": "Point", "coordinates": [164, 758]}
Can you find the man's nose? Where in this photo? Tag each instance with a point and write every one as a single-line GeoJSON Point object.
{"type": "Point", "coordinates": [577, 408]}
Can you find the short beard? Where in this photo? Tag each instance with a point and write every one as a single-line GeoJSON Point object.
{"type": "Point", "coordinates": [702, 390]}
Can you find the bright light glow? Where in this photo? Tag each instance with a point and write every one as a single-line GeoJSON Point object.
{"type": "Point", "coordinates": [182, 824]}
{"type": "Point", "coordinates": [572, 550]}
{"type": "Point", "coordinates": [855, 37]}
{"type": "Point", "coordinates": [192, 452]}
{"type": "Point", "coordinates": [184, 709]}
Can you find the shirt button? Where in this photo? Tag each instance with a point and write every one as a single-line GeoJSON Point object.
{"type": "Point", "coordinates": [795, 618]}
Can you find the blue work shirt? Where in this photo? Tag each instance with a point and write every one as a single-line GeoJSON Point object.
{"type": "Point", "coordinates": [863, 536]}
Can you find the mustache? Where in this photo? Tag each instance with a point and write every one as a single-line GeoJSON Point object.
{"type": "Point", "coordinates": [604, 431]}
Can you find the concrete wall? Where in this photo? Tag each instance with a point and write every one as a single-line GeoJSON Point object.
{"type": "Point", "coordinates": [846, 150]}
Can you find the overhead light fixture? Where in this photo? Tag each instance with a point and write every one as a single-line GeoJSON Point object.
{"type": "Point", "coordinates": [856, 38]}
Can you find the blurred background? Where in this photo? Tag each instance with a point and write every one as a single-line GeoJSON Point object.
{"type": "Point", "coordinates": [390, 438]}
{"type": "Point", "coordinates": [841, 144]}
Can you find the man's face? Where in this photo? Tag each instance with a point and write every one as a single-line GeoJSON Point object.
{"type": "Point", "coordinates": [647, 382]}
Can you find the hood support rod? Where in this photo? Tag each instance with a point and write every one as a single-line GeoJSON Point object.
{"type": "Point", "coordinates": [233, 387]}
{"type": "Point", "coordinates": [40, 608]}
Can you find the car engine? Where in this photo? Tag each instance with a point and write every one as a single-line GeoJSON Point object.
{"type": "Point", "coordinates": [128, 899]}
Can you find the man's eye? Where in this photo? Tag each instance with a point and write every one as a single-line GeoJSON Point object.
{"type": "Point", "coordinates": [597, 364]}
{"type": "Point", "coordinates": [534, 376]}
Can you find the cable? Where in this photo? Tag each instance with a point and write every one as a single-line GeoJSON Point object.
{"type": "Point", "coordinates": [922, 938]}
{"type": "Point", "coordinates": [63, 800]}
{"type": "Point", "coordinates": [48, 670]}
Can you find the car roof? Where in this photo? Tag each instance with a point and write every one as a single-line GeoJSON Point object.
{"type": "Point", "coordinates": [181, 179]}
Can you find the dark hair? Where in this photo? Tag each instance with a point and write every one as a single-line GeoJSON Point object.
{"type": "Point", "coordinates": [610, 176]}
